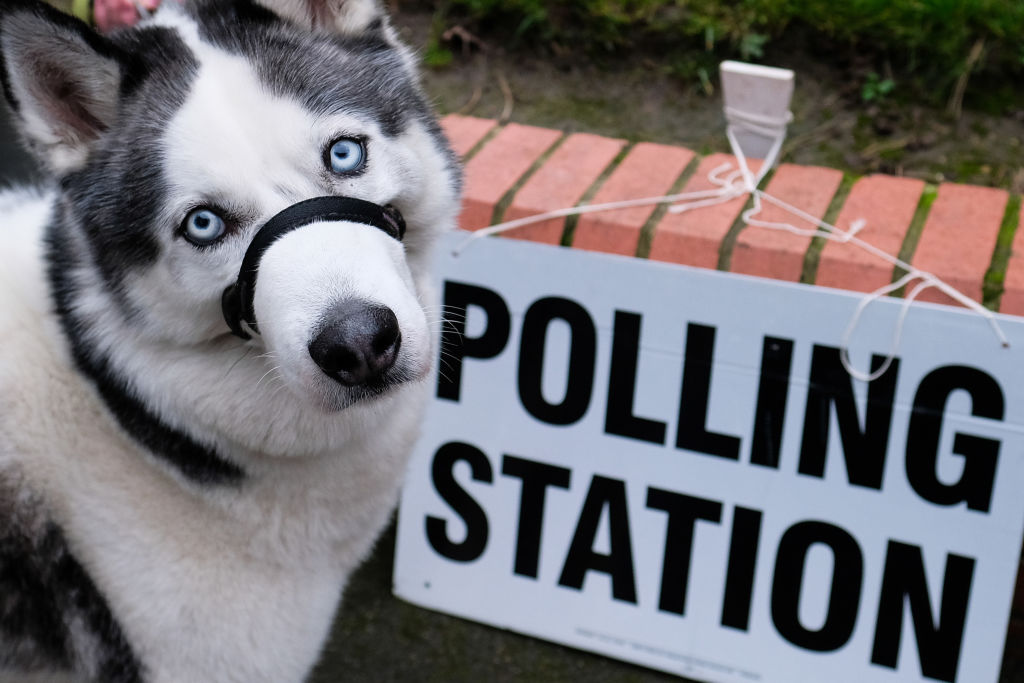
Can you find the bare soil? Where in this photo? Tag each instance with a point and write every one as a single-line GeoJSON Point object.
{"type": "Point", "coordinates": [639, 99]}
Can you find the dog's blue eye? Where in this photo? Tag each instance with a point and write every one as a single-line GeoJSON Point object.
{"type": "Point", "coordinates": [203, 227]}
{"type": "Point", "coordinates": [346, 155]}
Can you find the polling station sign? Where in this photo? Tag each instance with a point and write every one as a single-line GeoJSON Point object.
{"type": "Point", "coordinates": [671, 466]}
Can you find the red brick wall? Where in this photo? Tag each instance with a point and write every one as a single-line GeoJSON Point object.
{"type": "Point", "coordinates": [535, 170]}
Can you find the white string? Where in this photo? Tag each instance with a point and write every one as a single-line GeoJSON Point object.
{"type": "Point", "coordinates": [145, 13]}
{"type": "Point", "coordinates": [593, 208]}
{"type": "Point", "coordinates": [141, 9]}
{"type": "Point", "coordinates": [767, 126]}
{"type": "Point", "coordinates": [742, 181]}
{"type": "Point", "coordinates": [844, 346]}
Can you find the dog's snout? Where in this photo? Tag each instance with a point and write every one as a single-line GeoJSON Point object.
{"type": "Point", "coordinates": [359, 343]}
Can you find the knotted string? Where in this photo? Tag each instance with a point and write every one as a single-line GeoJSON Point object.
{"type": "Point", "coordinates": [742, 181]}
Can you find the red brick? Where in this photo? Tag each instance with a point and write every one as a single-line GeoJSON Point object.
{"type": "Point", "coordinates": [648, 170]}
{"type": "Point", "coordinates": [694, 237]}
{"type": "Point", "coordinates": [1013, 295]}
{"type": "Point", "coordinates": [887, 204]}
{"type": "Point", "coordinates": [465, 131]}
{"type": "Point", "coordinates": [959, 237]}
{"type": "Point", "coordinates": [495, 169]}
{"type": "Point", "coordinates": [780, 254]}
{"type": "Point", "coordinates": [560, 183]}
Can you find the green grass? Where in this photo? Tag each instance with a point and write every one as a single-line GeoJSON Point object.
{"type": "Point", "coordinates": [992, 289]}
{"type": "Point", "coordinates": [506, 199]}
{"type": "Point", "coordinates": [569, 233]}
{"type": "Point", "coordinates": [913, 236]}
{"type": "Point", "coordinates": [924, 46]}
{"type": "Point", "coordinates": [646, 239]}
{"type": "Point", "coordinates": [725, 249]}
{"type": "Point", "coordinates": [813, 256]}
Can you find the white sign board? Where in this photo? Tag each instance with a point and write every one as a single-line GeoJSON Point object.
{"type": "Point", "coordinates": [670, 466]}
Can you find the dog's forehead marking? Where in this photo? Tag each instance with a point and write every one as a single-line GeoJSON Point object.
{"type": "Point", "coordinates": [231, 131]}
{"type": "Point", "coordinates": [232, 137]}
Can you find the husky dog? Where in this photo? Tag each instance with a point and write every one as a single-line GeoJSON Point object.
{"type": "Point", "coordinates": [214, 332]}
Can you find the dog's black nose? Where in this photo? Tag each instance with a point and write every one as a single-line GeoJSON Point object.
{"type": "Point", "coordinates": [358, 344]}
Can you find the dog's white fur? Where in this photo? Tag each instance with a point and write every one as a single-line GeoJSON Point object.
{"type": "Point", "coordinates": [226, 583]}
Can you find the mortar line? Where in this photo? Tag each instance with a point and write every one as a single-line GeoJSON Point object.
{"type": "Point", "coordinates": [646, 238]}
{"type": "Point", "coordinates": [506, 199]}
{"type": "Point", "coordinates": [995, 276]}
{"type": "Point", "coordinates": [913, 234]}
{"type": "Point", "coordinates": [569, 230]}
{"type": "Point", "coordinates": [488, 136]}
{"type": "Point", "coordinates": [725, 249]}
{"type": "Point", "coordinates": [812, 258]}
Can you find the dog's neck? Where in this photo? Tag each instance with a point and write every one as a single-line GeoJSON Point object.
{"type": "Point", "coordinates": [198, 462]}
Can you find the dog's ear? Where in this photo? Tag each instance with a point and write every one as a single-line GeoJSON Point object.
{"type": "Point", "coordinates": [60, 78]}
{"type": "Point", "coordinates": [347, 17]}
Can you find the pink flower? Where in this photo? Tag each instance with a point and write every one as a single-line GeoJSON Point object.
{"type": "Point", "coordinates": [114, 14]}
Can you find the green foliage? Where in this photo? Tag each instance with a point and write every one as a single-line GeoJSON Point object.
{"type": "Point", "coordinates": [929, 40]}
{"type": "Point", "coordinates": [436, 56]}
{"type": "Point", "coordinates": [751, 46]}
{"type": "Point", "coordinates": [876, 88]}
{"type": "Point", "coordinates": [993, 286]}
{"type": "Point", "coordinates": [611, 24]}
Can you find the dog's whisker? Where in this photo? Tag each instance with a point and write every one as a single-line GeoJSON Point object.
{"type": "Point", "coordinates": [438, 316]}
{"type": "Point", "coordinates": [273, 369]}
{"type": "Point", "coordinates": [443, 363]}
{"type": "Point", "coordinates": [447, 355]}
{"type": "Point", "coordinates": [443, 376]}
{"type": "Point", "coordinates": [458, 334]}
{"type": "Point", "coordinates": [281, 385]}
{"type": "Point", "coordinates": [240, 359]}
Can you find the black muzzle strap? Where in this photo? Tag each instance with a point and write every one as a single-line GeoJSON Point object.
{"type": "Point", "coordinates": [237, 300]}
